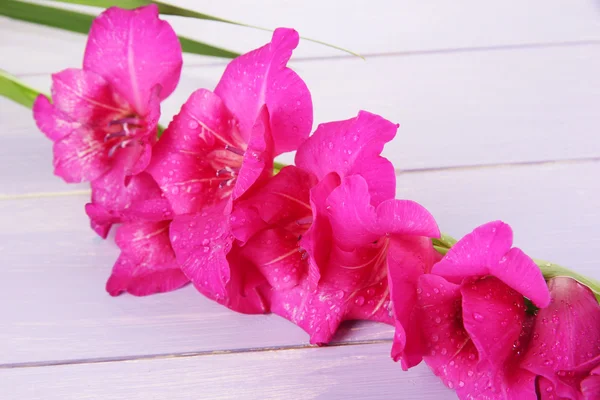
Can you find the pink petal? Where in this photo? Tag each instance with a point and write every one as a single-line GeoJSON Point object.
{"type": "Point", "coordinates": [318, 313]}
{"type": "Point", "coordinates": [405, 217]}
{"type": "Point", "coordinates": [318, 239]}
{"type": "Point", "coordinates": [351, 214]}
{"type": "Point", "coordinates": [147, 263]}
{"type": "Point", "coordinates": [518, 271]}
{"type": "Point", "coordinates": [86, 97]}
{"type": "Point", "coordinates": [283, 201]}
{"type": "Point", "coordinates": [590, 386]}
{"type": "Point", "coordinates": [474, 253]}
{"type": "Point", "coordinates": [566, 334]}
{"type": "Point", "coordinates": [52, 122]}
{"type": "Point", "coordinates": [407, 259]}
{"type": "Point", "coordinates": [134, 50]}
{"type": "Point", "coordinates": [546, 389]}
{"type": "Point", "coordinates": [493, 316]}
{"type": "Point", "coordinates": [202, 245]}
{"type": "Point", "coordinates": [119, 198]}
{"type": "Point", "coordinates": [353, 286]}
{"type": "Point", "coordinates": [449, 351]}
{"type": "Point", "coordinates": [276, 255]}
{"type": "Point", "coordinates": [80, 156]}
{"type": "Point", "coordinates": [352, 147]}
{"type": "Point", "coordinates": [181, 162]}
{"type": "Point", "coordinates": [261, 78]}
{"type": "Point", "coordinates": [356, 222]}
{"type": "Point", "coordinates": [486, 251]}
{"type": "Point", "coordinates": [258, 158]}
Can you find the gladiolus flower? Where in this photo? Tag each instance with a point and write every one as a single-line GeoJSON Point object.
{"type": "Point", "coordinates": [103, 118]}
{"type": "Point", "coordinates": [473, 319]}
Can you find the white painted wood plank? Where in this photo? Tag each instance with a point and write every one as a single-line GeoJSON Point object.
{"type": "Point", "coordinates": [54, 306]}
{"type": "Point", "coordinates": [552, 208]}
{"type": "Point", "coordinates": [348, 372]}
{"type": "Point", "coordinates": [454, 109]}
{"type": "Point", "coordinates": [363, 26]}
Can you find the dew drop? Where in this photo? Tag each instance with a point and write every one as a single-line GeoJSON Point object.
{"type": "Point", "coordinates": [477, 317]}
{"type": "Point", "coordinates": [330, 145]}
{"type": "Point", "coordinates": [193, 124]}
{"type": "Point", "coordinates": [205, 242]}
{"type": "Point", "coordinates": [359, 301]}
{"type": "Point", "coordinates": [438, 320]}
{"type": "Point", "coordinates": [339, 294]}
{"type": "Point", "coordinates": [206, 249]}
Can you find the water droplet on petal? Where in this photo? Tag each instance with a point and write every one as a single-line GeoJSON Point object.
{"type": "Point", "coordinates": [359, 301]}
{"type": "Point", "coordinates": [193, 124]}
{"type": "Point", "coordinates": [477, 317]}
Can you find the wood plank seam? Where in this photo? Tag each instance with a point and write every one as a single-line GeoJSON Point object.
{"type": "Point", "coordinates": [584, 160]}
{"type": "Point", "coordinates": [409, 53]}
{"type": "Point", "coordinates": [55, 363]}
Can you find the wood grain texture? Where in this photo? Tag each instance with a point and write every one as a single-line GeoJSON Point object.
{"type": "Point", "coordinates": [55, 307]}
{"type": "Point", "coordinates": [371, 28]}
{"type": "Point", "coordinates": [454, 109]}
{"type": "Point", "coordinates": [348, 372]}
{"type": "Point", "coordinates": [478, 88]}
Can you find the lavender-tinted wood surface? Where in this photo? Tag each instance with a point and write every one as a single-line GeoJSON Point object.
{"type": "Point", "coordinates": [346, 372]}
{"type": "Point", "coordinates": [498, 105]}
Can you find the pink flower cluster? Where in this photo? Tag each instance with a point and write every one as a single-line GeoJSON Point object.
{"type": "Point", "coordinates": [317, 243]}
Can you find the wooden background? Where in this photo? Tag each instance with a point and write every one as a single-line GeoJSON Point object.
{"type": "Point", "coordinates": [499, 106]}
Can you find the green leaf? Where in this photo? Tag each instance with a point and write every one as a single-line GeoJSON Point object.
{"type": "Point", "coordinates": [80, 23]}
{"type": "Point", "coordinates": [14, 89]}
{"type": "Point", "coordinates": [550, 270]}
{"type": "Point", "coordinates": [169, 9]}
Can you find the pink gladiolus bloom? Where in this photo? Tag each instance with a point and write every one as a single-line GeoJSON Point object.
{"type": "Point", "coordinates": [327, 255]}
{"type": "Point", "coordinates": [147, 264]}
{"type": "Point", "coordinates": [218, 147]}
{"type": "Point", "coordinates": [103, 118]}
{"type": "Point", "coordinates": [565, 349]}
{"type": "Point", "coordinates": [473, 318]}
{"type": "Point", "coordinates": [221, 143]}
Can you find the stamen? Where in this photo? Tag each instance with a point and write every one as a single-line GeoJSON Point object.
{"type": "Point", "coordinates": [234, 150]}
{"type": "Point", "coordinates": [226, 183]}
{"type": "Point", "coordinates": [115, 135]}
{"type": "Point", "coordinates": [127, 120]}
{"type": "Point", "coordinates": [233, 171]}
{"type": "Point", "coordinates": [305, 221]}
{"type": "Point", "coordinates": [122, 145]}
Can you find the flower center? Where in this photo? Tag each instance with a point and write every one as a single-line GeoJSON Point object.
{"type": "Point", "coordinates": [227, 163]}
{"type": "Point", "coordinates": [121, 133]}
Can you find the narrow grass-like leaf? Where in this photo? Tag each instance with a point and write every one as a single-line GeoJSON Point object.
{"type": "Point", "coordinates": [169, 9]}
{"type": "Point", "coordinates": [75, 21]}
{"type": "Point", "coordinates": [14, 89]}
